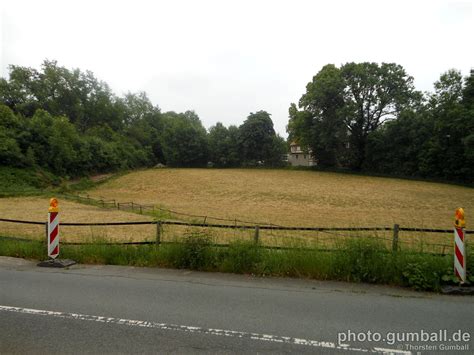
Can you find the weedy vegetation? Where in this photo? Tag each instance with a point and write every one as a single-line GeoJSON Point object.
{"type": "Point", "coordinates": [362, 260]}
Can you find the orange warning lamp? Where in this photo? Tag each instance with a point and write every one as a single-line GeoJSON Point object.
{"type": "Point", "coordinates": [459, 221]}
{"type": "Point", "coordinates": [53, 205]}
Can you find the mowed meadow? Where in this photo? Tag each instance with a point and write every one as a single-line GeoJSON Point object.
{"type": "Point", "coordinates": [36, 209]}
{"type": "Point", "coordinates": [293, 198]}
{"type": "Point", "coordinates": [258, 196]}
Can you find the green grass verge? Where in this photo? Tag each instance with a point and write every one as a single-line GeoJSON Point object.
{"type": "Point", "coordinates": [25, 182]}
{"type": "Point", "coordinates": [37, 181]}
{"type": "Point", "coordinates": [359, 260]}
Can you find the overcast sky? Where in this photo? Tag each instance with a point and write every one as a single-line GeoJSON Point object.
{"type": "Point", "coordinates": [225, 59]}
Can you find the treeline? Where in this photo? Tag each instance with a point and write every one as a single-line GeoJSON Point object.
{"type": "Point", "coordinates": [369, 117]}
{"type": "Point", "coordinates": [359, 116]}
{"type": "Point", "coordinates": [70, 123]}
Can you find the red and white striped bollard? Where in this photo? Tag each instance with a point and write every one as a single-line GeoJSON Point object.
{"type": "Point", "coordinates": [459, 246]}
{"type": "Point", "coordinates": [53, 229]}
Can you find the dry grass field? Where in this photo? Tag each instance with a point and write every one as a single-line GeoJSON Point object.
{"type": "Point", "coordinates": [293, 198]}
{"type": "Point", "coordinates": [281, 197]}
{"type": "Point", "coordinates": [36, 209]}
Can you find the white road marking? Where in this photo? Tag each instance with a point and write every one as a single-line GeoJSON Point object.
{"type": "Point", "coordinates": [192, 329]}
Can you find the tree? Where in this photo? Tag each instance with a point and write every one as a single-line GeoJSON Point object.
{"type": "Point", "coordinates": [434, 140]}
{"type": "Point", "coordinates": [184, 140]}
{"type": "Point", "coordinates": [397, 147]}
{"type": "Point", "coordinates": [372, 95]}
{"type": "Point", "coordinates": [277, 150]}
{"type": "Point", "coordinates": [320, 125]}
{"type": "Point", "coordinates": [447, 153]}
{"type": "Point", "coordinates": [18, 93]}
{"type": "Point", "coordinates": [257, 139]}
{"type": "Point", "coordinates": [143, 124]}
{"type": "Point", "coordinates": [56, 142]}
{"type": "Point", "coordinates": [219, 145]}
{"type": "Point", "coordinates": [10, 129]}
{"type": "Point", "coordinates": [468, 104]}
{"type": "Point", "coordinates": [61, 92]}
{"type": "Point", "coordinates": [345, 105]}
{"type": "Point", "coordinates": [234, 157]}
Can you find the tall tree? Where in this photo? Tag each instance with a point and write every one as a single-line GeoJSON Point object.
{"type": "Point", "coordinates": [373, 93]}
{"type": "Point", "coordinates": [345, 105]}
{"type": "Point", "coordinates": [184, 139]}
{"type": "Point", "coordinates": [447, 152]}
{"type": "Point", "coordinates": [320, 126]}
{"type": "Point", "coordinates": [86, 101]}
{"type": "Point", "coordinates": [434, 140]}
{"type": "Point", "coordinates": [220, 146]}
{"type": "Point", "coordinates": [468, 103]}
{"type": "Point", "coordinates": [257, 139]}
{"type": "Point", "coordinates": [10, 131]}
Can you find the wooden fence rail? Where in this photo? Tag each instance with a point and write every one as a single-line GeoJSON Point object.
{"type": "Point", "coordinates": [240, 226]}
{"type": "Point", "coordinates": [160, 223]}
{"type": "Point", "coordinates": [153, 209]}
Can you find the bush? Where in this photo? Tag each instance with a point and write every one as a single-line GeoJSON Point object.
{"type": "Point", "coordinates": [361, 260]}
{"type": "Point", "coordinates": [241, 257]}
{"type": "Point", "coordinates": [196, 253]}
{"type": "Point", "coordinates": [15, 181]}
{"type": "Point", "coordinates": [421, 277]}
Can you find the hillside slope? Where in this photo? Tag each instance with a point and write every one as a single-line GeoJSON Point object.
{"type": "Point", "coordinates": [299, 198]}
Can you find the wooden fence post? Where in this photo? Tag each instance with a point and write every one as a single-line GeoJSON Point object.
{"type": "Point", "coordinates": [257, 231]}
{"type": "Point", "coordinates": [141, 212]}
{"type": "Point", "coordinates": [118, 205]}
{"type": "Point", "coordinates": [396, 228]}
{"type": "Point", "coordinates": [158, 233]}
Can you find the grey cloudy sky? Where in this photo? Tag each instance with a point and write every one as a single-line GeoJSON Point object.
{"type": "Point", "coordinates": [225, 59]}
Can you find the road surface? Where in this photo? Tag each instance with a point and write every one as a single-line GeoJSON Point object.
{"type": "Point", "coordinates": [112, 309]}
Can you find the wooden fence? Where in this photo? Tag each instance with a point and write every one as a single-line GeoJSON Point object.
{"type": "Point", "coordinates": [395, 230]}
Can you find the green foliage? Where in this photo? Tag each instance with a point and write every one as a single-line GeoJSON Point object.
{"type": "Point", "coordinates": [421, 276]}
{"type": "Point", "coordinates": [61, 92]}
{"type": "Point", "coordinates": [70, 123]}
{"type": "Point", "coordinates": [194, 252]}
{"type": "Point", "coordinates": [359, 116]}
{"type": "Point", "coordinates": [184, 140]}
{"type": "Point", "coordinates": [21, 249]}
{"type": "Point", "coordinates": [10, 129]}
{"type": "Point", "coordinates": [361, 260]}
{"type": "Point", "coordinates": [258, 143]}
{"type": "Point", "coordinates": [241, 257]}
{"type": "Point", "coordinates": [343, 106]}
{"type": "Point", "coordinates": [296, 262]}
{"type": "Point", "coordinates": [435, 140]}
{"type": "Point", "coordinates": [223, 146]}
{"type": "Point", "coordinates": [320, 125]}
{"type": "Point", "coordinates": [368, 116]}
{"type": "Point", "coordinates": [29, 181]}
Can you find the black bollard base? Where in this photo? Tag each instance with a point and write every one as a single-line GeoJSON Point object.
{"type": "Point", "coordinates": [458, 290]}
{"type": "Point", "coordinates": [56, 263]}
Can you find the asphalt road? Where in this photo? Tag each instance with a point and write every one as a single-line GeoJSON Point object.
{"type": "Point", "coordinates": [110, 309]}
